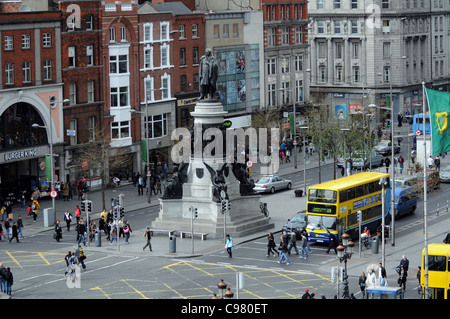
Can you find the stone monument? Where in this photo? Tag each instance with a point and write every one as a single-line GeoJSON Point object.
{"type": "Point", "coordinates": [210, 176]}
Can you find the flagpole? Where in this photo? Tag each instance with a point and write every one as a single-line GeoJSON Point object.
{"type": "Point", "coordinates": [425, 225]}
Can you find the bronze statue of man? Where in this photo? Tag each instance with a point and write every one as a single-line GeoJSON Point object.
{"type": "Point", "coordinates": [208, 72]}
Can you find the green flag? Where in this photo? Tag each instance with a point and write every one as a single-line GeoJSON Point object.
{"type": "Point", "coordinates": [439, 104]}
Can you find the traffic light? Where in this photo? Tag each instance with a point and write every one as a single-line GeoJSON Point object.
{"type": "Point", "coordinates": [195, 212]}
{"type": "Point", "coordinates": [122, 211]}
{"type": "Point", "coordinates": [359, 216]}
{"type": "Point", "coordinates": [83, 206]}
{"type": "Point", "coordinates": [224, 205]}
{"type": "Point", "coordinates": [89, 206]}
{"type": "Point", "coordinates": [228, 205]}
{"type": "Point", "coordinates": [115, 211]}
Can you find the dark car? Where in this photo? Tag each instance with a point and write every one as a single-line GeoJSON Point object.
{"type": "Point", "coordinates": [297, 223]}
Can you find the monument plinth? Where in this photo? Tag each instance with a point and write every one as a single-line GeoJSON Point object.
{"type": "Point", "coordinates": [206, 180]}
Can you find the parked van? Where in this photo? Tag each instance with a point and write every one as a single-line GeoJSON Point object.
{"type": "Point", "coordinates": [405, 201]}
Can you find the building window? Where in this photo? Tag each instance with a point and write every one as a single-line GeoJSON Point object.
{"type": "Point", "coordinates": [164, 56]}
{"type": "Point", "coordinates": [216, 31]}
{"type": "Point", "coordinates": [195, 57]}
{"type": "Point", "coordinates": [320, 4]}
{"type": "Point", "coordinates": [337, 4]}
{"type": "Point", "coordinates": [120, 129]}
{"type": "Point", "coordinates": [183, 83]}
{"type": "Point", "coordinates": [386, 74]}
{"type": "Point", "coordinates": [298, 35]}
{"type": "Point", "coordinates": [89, 22]}
{"type": "Point", "coordinates": [148, 32]}
{"type": "Point", "coordinates": [271, 66]}
{"type": "Point", "coordinates": [385, 4]}
{"type": "Point", "coordinates": [148, 58]}
{"type": "Point", "coordinates": [196, 82]}
{"type": "Point", "coordinates": [321, 27]}
{"type": "Point", "coordinates": [181, 31]}
{"type": "Point", "coordinates": [226, 31]}
{"type": "Point", "coordinates": [164, 30]}
{"type": "Point", "coordinates": [298, 62]}
{"type": "Point", "coordinates": [338, 52]}
{"type": "Point", "coordinates": [166, 87]}
{"type": "Point", "coordinates": [183, 56]}
{"type": "Point", "coordinates": [285, 35]}
{"type": "Point", "coordinates": [195, 30]}
{"type": "Point", "coordinates": [356, 74]}
{"type": "Point", "coordinates": [9, 43]}
{"type": "Point", "coordinates": [123, 34]}
{"type": "Point", "coordinates": [285, 98]}
{"type": "Point", "coordinates": [91, 128]}
{"type": "Point", "coordinates": [26, 72]}
{"type": "Point", "coordinates": [119, 96]}
{"type": "Point", "coordinates": [337, 26]}
{"type": "Point", "coordinates": [386, 50]}
{"type": "Point", "coordinates": [235, 30]}
{"type": "Point", "coordinates": [271, 37]}
{"type": "Point", "coordinates": [322, 48]}
{"type": "Point", "coordinates": [157, 125]}
{"type": "Point", "coordinates": [47, 70]}
{"type": "Point", "coordinates": [90, 91]}
{"type": "Point", "coordinates": [354, 4]}
{"type": "Point", "coordinates": [47, 40]}
{"type": "Point", "coordinates": [73, 93]}
{"type": "Point", "coordinates": [118, 64]}
{"type": "Point", "coordinates": [71, 53]}
{"type": "Point", "coordinates": [9, 73]}
{"type": "Point", "coordinates": [339, 75]}
{"type": "Point", "coordinates": [271, 91]}
{"type": "Point", "coordinates": [73, 127]}
{"type": "Point", "coordinates": [322, 73]}
{"type": "Point", "coordinates": [112, 34]}
{"type": "Point", "coordinates": [355, 50]}
{"type": "Point", "coordinates": [149, 91]}
{"type": "Point", "coordinates": [90, 55]}
{"type": "Point", "coordinates": [26, 41]}
{"type": "Point", "coordinates": [354, 26]}
{"type": "Point", "coordinates": [298, 90]}
{"type": "Point", "coordinates": [285, 65]}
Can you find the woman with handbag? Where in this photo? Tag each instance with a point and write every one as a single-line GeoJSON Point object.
{"type": "Point", "coordinates": [402, 277]}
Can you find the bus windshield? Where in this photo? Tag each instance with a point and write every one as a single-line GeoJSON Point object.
{"type": "Point", "coordinates": [322, 196]}
{"type": "Point", "coordinates": [321, 222]}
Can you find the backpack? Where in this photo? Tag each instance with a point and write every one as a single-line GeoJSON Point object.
{"type": "Point", "coordinates": [400, 160]}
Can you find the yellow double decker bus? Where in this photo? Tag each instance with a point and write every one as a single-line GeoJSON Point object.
{"type": "Point", "coordinates": [438, 272]}
{"type": "Point", "coordinates": [333, 206]}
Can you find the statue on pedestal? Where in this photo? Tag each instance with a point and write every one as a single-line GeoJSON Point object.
{"type": "Point", "coordinates": [173, 188]}
{"type": "Point", "coordinates": [208, 73]}
{"type": "Point", "coordinates": [218, 181]}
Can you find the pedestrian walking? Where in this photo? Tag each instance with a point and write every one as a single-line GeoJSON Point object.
{"type": "Point", "coordinates": [81, 232]}
{"type": "Point", "coordinates": [2, 278]}
{"type": "Point", "coordinates": [67, 260]}
{"type": "Point", "coordinates": [404, 262]}
{"type": "Point", "coordinates": [158, 187]}
{"type": "Point", "coordinates": [68, 219]}
{"type": "Point", "coordinates": [304, 250]}
{"type": "Point", "coordinates": [362, 284]}
{"type": "Point", "coordinates": [382, 275]}
{"type": "Point", "coordinates": [430, 162]}
{"type": "Point", "coordinates": [306, 295]}
{"type": "Point", "coordinates": [140, 185]}
{"type": "Point", "coordinates": [283, 252]}
{"type": "Point", "coordinates": [20, 226]}
{"type": "Point", "coordinates": [402, 277]}
{"type": "Point", "coordinates": [229, 245]}
{"type": "Point", "coordinates": [127, 231]}
{"type": "Point", "coordinates": [7, 226]}
{"type": "Point", "coordinates": [293, 242]}
{"type": "Point", "coordinates": [332, 242]}
{"type": "Point", "coordinates": [113, 234]}
{"type": "Point", "coordinates": [58, 231]}
{"type": "Point", "coordinates": [271, 246]}
{"type": "Point", "coordinates": [81, 256]}
{"type": "Point", "coordinates": [8, 280]}
{"type": "Point", "coordinates": [77, 213]}
{"type": "Point", "coordinates": [401, 160]}
{"type": "Point", "coordinates": [14, 232]}
{"type": "Point", "coordinates": [437, 163]}
{"type": "Point", "coordinates": [419, 270]}
{"type": "Point", "coordinates": [371, 278]}
{"type": "Point", "coordinates": [147, 236]}
{"type": "Point", "coordinates": [387, 162]}
{"type": "Point", "coordinates": [413, 155]}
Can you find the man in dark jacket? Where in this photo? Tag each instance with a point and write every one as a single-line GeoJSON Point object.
{"type": "Point", "coordinates": [333, 241]}
{"type": "Point", "coordinates": [80, 231]}
{"type": "Point", "coordinates": [3, 275]}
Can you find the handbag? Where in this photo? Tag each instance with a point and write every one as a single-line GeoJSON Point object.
{"type": "Point", "coordinates": [82, 256]}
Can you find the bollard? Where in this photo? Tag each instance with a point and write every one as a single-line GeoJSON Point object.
{"type": "Point", "coordinates": [172, 244]}
{"type": "Point", "coordinates": [98, 238]}
{"type": "Point", "coordinates": [375, 245]}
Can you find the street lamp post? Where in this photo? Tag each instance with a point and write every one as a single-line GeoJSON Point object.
{"type": "Point", "coordinates": [295, 128]}
{"type": "Point", "coordinates": [344, 253]}
{"type": "Point", "coordinates": [147, 138]}
{"type": "Point", "coordinates": [383, 183]}
{"type": "Point", "coordinates": [392, 165]}
{"type": "Point", "coordinates": [52, 105]}
{"type": "Point", "coordinates": [345, 130]}
{"type": "Point", "coordinates": [304, 128]}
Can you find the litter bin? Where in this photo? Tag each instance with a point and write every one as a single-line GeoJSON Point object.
{"type": "Point", "coordinates": [375, 245]}
{"type": "Point", "coordinates": [172, 244]}
{"type": "Point", "coordinates": [298, 193]}
{"type": "Point", "coordinates": [98, 238]}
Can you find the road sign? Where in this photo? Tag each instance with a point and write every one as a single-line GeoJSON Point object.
{"type": "Point", "coordinates": [249, 164]}
{"type": "Point", "coordinates": [418, 132]}
{"type": "Point", "coordinates": [53, 194]}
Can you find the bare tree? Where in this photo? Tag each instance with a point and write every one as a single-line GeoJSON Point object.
{"type": "Point", "coordinates": [98, 158]}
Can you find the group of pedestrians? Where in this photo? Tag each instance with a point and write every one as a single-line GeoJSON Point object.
{"type": "Point", "coordinates": [6, 279]}
{"type": "Point", "coordinates": [287, 243]}
{"type": "Point", "coordinates": [12, 229]}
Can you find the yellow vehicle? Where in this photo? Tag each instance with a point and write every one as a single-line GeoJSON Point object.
{"type": "Point", "coordinates": [333, 206]}
{"type": "Point", "coordinates": [438, 271]}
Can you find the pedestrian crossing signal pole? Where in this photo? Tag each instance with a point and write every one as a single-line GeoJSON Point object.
{"type": "Point", "coordinates": [194, 215]}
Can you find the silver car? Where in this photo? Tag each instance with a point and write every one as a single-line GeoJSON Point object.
{"type": "Point", "coordinates": [444, 175]}
{"type": "Point", "coordinates": [385, 148]}
{"type": "Point", "coordinates": [270, 184]}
